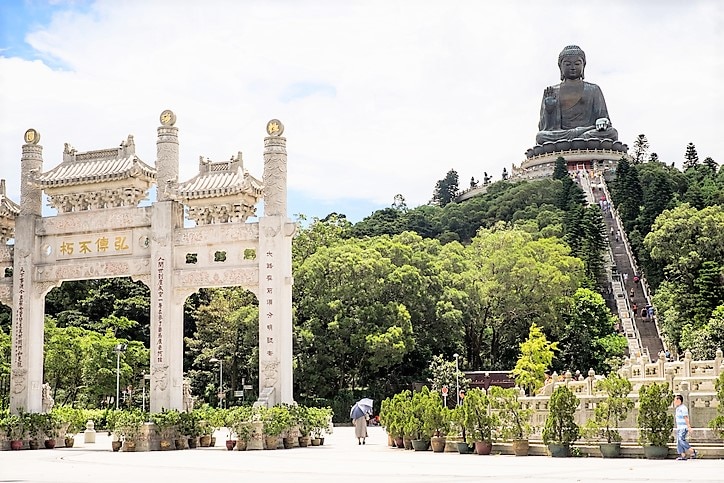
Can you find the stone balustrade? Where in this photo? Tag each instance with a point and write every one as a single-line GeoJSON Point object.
{"type": "Point", "coordinates": [694, 380]}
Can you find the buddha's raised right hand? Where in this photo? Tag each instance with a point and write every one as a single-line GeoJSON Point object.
{"type": "Point", "coordinates": [549, 98]}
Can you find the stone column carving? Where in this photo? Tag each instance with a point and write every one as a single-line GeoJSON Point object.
{"type": "Point", "coordinates": [27, 331]}
{"type": "Point", "coordinates": [275, 275]}
{"type": "Point", "coordinates": [275, 170]}
{"type": "Point", "coordinates": [166, 312]}
{"type": "Point", "coordinates": [167, 156]}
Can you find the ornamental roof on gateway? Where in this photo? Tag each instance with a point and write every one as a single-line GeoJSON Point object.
{"type": "Point", "coordinates": [219, 179]}
{"type": "Point", "coordinates": [98, 166]}
{"type": "Point", "coordinates": [8, 208]}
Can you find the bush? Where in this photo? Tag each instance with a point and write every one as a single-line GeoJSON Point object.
{"type": "Point", "coordinates": [654, 421]}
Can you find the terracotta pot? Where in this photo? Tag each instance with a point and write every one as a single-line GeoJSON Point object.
{"type": "Point", "coordinates": [193, 442]}
{"type": "Point", "coordinates": [520, 447]}
{"type": "Point", "coordinates": [241, 445]}
{"type": "Point", "coordinates": [49, 443]}
{"type": "Point", "coordinates": [69, 442]}
{"type": "Point", "coordinates": [271, 442]}
{"type": "Point", "coordinates": [288, 442]}
{"type": "Point", "coordinates": [205, 441]}
{"type": "Point", "coordinates": [230, 443]}
{"type": "Point", "coordinates": [16, 444]}
{"type": "Point", "coordinates": [116, 445]}
{"type": "Point", "coordinates": [303, 441]}
{"type": "Point", "coordinates": [33, 444]}
{"type": "Point", "coordinates": [483, 447]}
{"type": "Point", "coordinates": [438, 444]}
{"type": "Point", "coordinates": [167, 445]}
{"type": "Point", "coordinates": [180, 443]}
{"type": "Point", "coordinates": [129, 446]}
{"type": "Point", "coordinates": [315, 441]}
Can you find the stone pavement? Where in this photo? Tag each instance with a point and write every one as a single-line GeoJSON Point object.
{"type": "Point", "coordinates": [339, 460]}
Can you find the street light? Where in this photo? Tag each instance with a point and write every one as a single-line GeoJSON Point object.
{"type": "Point", "coordinates": [221, 377]}
{"type": "Point", "coordinates": [457, 379]}
{"type": "Point", "coordinates": [118, 349]}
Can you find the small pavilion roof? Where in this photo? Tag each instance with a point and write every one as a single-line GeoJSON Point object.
{"type": "Point", "coordinates": [8, 208]}
{"type": "Point", "coordinates": [97, 167]}
{"type": "Point", "coordinates": [219, 179]}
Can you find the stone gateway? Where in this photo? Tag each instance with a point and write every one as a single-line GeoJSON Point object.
{"type": "Point", "coordinates": [100, 231]}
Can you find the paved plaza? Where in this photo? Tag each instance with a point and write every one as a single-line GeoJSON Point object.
{"type": "Point", "coordinates": [339, 460]}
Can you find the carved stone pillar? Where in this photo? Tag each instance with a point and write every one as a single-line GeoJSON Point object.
{"type": "Point", "coordinates": [166, 311]}
{"type": "Point", "coordinates": [166, 156]}
{"type": "Point", "coordinates": [275, 275]}
{"type": "Point", "coordinates": [26, 365]}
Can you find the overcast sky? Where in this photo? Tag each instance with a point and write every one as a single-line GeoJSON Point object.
{"type": "Point", "coordinates": [377, 97]}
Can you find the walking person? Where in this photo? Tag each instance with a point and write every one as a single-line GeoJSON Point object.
{"type": "Point", "coordinates": [683, 427]}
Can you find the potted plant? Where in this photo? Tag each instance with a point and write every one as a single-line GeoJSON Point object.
{"type": "Point", "coordinates": [301, 418]}
{"type": "Point", "coordinates": [128, 428]}
{"type": "Point", "coordinates": [393, 415]}
{"type": "Point", "coordinates": [477, 421]}
{"type": "Point", "coordinates": [167, 426]}
{"type": "Point", "coordinates": [609, 412]}
{"type": "Point", "coordinates": [14, 427]}
{"type": "Point", "coordinates": [514, 418]}
{"type": "Point", "coordinates": [436, 421]}
{"type": "Point", "coordinates": [71, 420]}
{"type": "Point", "coordinates": [415, 425]}
{"type": "Point", "coordinates": [111, 422]}
{"type": "Point", "coordinates": [34, 423]}
{"type": "Point", "coordinates": [457, 420]}
{"type": "Point", "coordinates": [239, 421]}
{"type": "Point", "coordinates": [654, 421]}
{"type": "Point", "coordinates": [717, 423]}
{"type": "Point", "coordinates": [276, 419]}
{"type": "Point", "coordinates": [190, 427]}
{"type": "Point", "coordinates": [561, 430]}
{"type": "Point", "coordinates": [51, 427]}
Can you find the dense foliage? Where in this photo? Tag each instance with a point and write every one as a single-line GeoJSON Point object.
{"type": "Point", "coordinates": [674, 221]}
{"type": "Point", "coordinates": [373, 302]}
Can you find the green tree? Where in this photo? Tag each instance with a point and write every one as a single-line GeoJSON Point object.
{"type": "Point", "coordinates": [691, 157]}
{"type": "Point", "coordinates": [536, 355]}
{"type": "Point", "coordinates": [560, 171]}
{"type": "Point", "coordinates": [640, 148]}
{"type": "Point", "coordinates": [446, 189]}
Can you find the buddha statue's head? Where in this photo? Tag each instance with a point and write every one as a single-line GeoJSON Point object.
{"type": "Point", "coordinates": [572, 62]}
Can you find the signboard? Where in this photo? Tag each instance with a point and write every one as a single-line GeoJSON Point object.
{"type": "Point", "coordinates": [238, 393]}
{"type": "Point", "coordinates": [444, 390]}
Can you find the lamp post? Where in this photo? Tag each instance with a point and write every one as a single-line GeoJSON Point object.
{"type": "Point", "coordinates": [457, 380]}
{"type": "Point", "coordinates": [221, 378]}
{"type": "Point", "coordinates": [118, 349]}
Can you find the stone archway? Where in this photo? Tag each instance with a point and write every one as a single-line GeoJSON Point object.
{"type": "Point", "coordinates": [100, 231]}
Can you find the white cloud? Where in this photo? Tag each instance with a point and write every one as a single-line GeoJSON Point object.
{"type": "Point", "coordinates": [378, 98]}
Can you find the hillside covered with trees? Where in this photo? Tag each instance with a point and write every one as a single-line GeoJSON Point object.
{"type": "Point", "coordinates": [376, 300]}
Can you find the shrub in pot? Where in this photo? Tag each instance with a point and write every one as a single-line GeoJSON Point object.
{"type": "Point", "coordinates": [609, 412]}
{"type": "Point", "coordinates": [167, 427]}
{"type": "Point", "coordinates": [514, 418]}
{"type": "Point", "coordinates": [717, 423]}
{"type": "Point", "coordinates": [239, 422]}
{"type": "Point", "coordinates": [71, 421]}
{"type": "Point", "coordinates": [415, 425]}
{"type": "Point", "coordinates": [276, 420]}
{"type": "Point", "coordinates": [128, 428]}
{"type": "Point", "coordinates": [436, 421]}
{"type": "Point", "coordinates": [393, 416]}
{"type": "Point", "coordinates": [478, 421]}
{"type": "Point", "coordinates": [561, 430]}
{"type": "Point", "coordinates": [654, 421]}
{"type": "Point", "coordinates": [14, 427]}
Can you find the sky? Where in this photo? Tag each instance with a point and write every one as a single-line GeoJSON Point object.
{"type": "Point", "coordinates": [377, 97]}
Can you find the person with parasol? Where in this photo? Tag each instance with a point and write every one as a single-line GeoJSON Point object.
{"type": "Point", "coordinates": [359, 414]}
